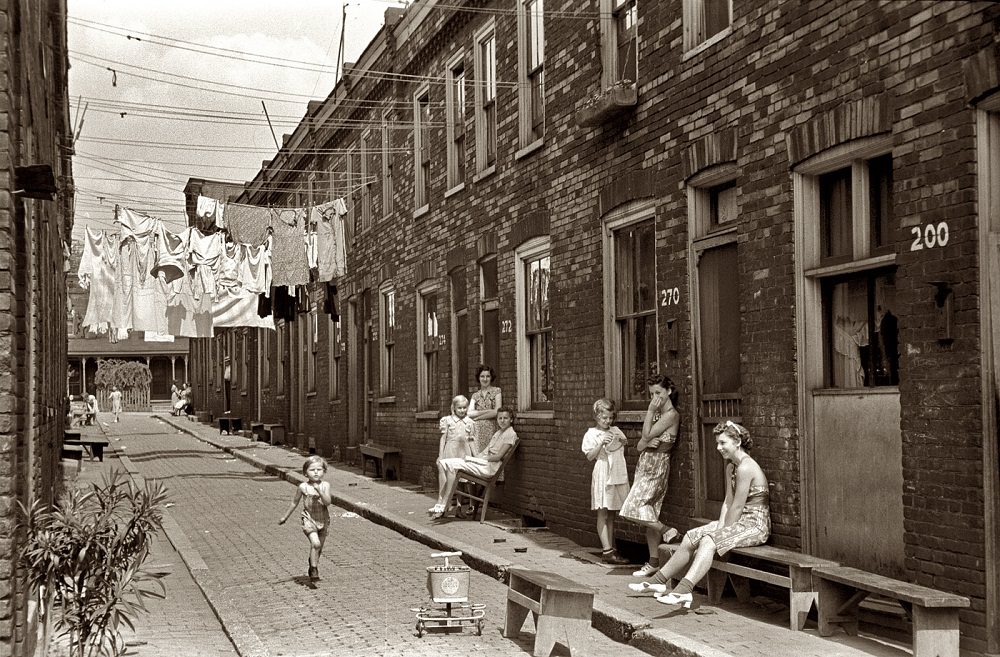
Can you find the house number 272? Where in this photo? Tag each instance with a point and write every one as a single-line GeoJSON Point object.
{"type": "Point", "coordinates": [506, 326]}
{"type": "Point", "coordinates": [670, 297]}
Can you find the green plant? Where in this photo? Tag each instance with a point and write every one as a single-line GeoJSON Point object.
{"type": "Point", "coordinates": [84, 556]}
{"type": "Point", "coordinates": [125, 374]}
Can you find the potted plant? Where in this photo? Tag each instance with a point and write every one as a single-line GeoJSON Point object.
{"type": "Point", "coordinates": [607, 104]}
{"type": "Point", "coordinates": [84, 557]}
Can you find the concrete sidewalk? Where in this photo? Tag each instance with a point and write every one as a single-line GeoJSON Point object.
{"type": "Point", "coordinates": [758, 628]}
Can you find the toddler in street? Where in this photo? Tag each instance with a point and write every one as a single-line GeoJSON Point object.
{"type": "Point", "coordinates": [317, 498]}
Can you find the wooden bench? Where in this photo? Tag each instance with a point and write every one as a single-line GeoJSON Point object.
{"type": "Point", "coordinates": [93, 444]}
{"type": "Point", "coordinates": [74, 452]}
{"type": "Point", "coordinates": [273, 434]}
{"type": "Point", "coordinates": [385, 459]}
{"type": "Point", "coordinates": [488, 484]}
{"type": "Point", "coordinates": [934, 614]}
{"type": "Point", "coordinates": [561, 609]}
{"type": "Point", "coordinates": [230, 424]}
{"type": "Point", "coordinates": [257, 430]}
{"type": "Point", "coordinates": [204, 416]}
{"type": "Point", "coordinates": [789, 569]}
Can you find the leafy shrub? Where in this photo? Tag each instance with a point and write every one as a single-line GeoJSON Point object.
{"type": "Point", "coordinates": [125, 374]}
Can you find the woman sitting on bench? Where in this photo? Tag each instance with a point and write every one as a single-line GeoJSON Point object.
{"type": "Point", "coordinates": [90, 414]}
{"type": "Point", "coordinates": [745, 520]}
{"type": "Point", "coordinates": [486, 464]}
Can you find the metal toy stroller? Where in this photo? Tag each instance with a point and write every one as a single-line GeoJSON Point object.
{"type": "Point", "coordinates": [449, 585]}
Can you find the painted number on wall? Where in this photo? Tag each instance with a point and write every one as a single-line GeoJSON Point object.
{"type": "Point", "coordinates": [929, 236]}
{"type": "Point", "coordinates": [506, 326]}
{"type": "Point", "coordinates": [670, 297]}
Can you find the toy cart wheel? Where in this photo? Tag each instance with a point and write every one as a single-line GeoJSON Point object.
{"type": "Point", "coordinates": [479, 628]}
{"type": "Point", "coordinates": [420, 629]}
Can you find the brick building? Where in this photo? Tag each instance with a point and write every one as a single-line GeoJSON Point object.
{"type": "Point", "coordinates": [789, 208]}
{"type": "Point", "coordinates": [36, 202]}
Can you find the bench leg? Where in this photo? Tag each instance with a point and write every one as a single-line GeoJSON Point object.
{"type": "Point", "coordinates": [552, 629]}
{"type": "Point", "coordinates": [838, 605]}
{"type": "Point", "coordinates": [514, 619]}
{"type": "Point", "coordinates": [935, 632]}
{"type": "Point", "coordinates": [716, 584]}
{"type": "Point", "coordinates": [801, 596]}
{"type": "Point", "coordinates": [99, 452]}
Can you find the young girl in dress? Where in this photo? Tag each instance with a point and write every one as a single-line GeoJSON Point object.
{"type": "Point", "coordinates": [605, 445]}
{"type": "Point", "coordinates": [456, 438]}
{"type": "Point", "coordinates": [315, 509]}
{"type": "Point", "coordinates": [659, 433]}
{"type": "Point", "coordinates": [745, 520]}
{"type": "Point", "coordinates": [116, 401]}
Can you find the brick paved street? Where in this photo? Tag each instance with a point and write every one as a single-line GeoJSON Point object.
{"type": "Point", "coordinates": [225, 512]}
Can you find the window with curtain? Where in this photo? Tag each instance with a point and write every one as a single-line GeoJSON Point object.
{"type": "Point", "coordinates": [634, 289]}
{"type": "Point", "coordinates": [486, 98]}
{"type": "Point", "coordinates": [428, 344]}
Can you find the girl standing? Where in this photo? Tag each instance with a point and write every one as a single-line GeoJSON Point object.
{"type": "Point", "coordinates": [483, 407]}
{"type": "Point", "coordinates": [605, 445]}
{"type": "Point", "coordinates": [456, 439]}
{"type": "Point", "coordinates": [659, 433]}
{"type": "Point", "coordinates": [315, 509]}
{"type": "Point", "coordinates": [116, 401]}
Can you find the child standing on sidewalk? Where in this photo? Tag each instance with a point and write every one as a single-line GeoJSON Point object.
{"type": "Point", "coordinates": [605, 445]}
{"type": "Point", "coordinates": [116, 401]}
{"type": "Point", "coordinates": [315, 512]}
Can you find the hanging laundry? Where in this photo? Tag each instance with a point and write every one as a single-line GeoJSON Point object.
{"type": "Point", "coordinates": [263, 305]}
{"type": "Point", "coordinates": [232, 311]}
{"type": "Point", "coordinates": [157, 337]}
{"type": "Point", "coordinates": [284, 304]}
{"type": "Point", "coordinates": [331, 247]}
{"type": "Point", "coordinates": [210, 212]}
{"type": "Point", "coordinates": [140, 300]}
{"type": "Point", "coordinates": [171, 254]}
{"type": "Point", "coordinates": [134, 224]}
{"type": "Point", "coordinates": [101, 271]}
{"type": "Point", "coordinates": [185, 317]}
{"type": "Point", "coordinates": [289, 265]}
{"type": "Point", "coordinates": [206, 252]}
{"type": "Point", "coordinates": [248, 224]}
{"type": "Point", "coordinates": [255, 268]}
{"type": "Point", "coordinates": [227, 279]}
{"type": "Point", "coordinates": [330, 303]}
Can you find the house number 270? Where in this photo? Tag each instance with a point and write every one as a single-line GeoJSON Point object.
{"type": "Point", "coordinates": [929, 236]}
{"type": "Point", "coordinates": [670, 297]}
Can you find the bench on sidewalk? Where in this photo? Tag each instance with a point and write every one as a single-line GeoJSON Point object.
{"type": "Point", "coordinates": [488, 484]}
{"type": "Point", "coordinates": [230, 424]}
{"type": "Point", "coordinates": [788, 569]}
{"type": "Point", "coordinates": [257, 430]}
{"type": "Point", "coordinates": [934, 614]}
{"type": "Point", "coordinates": [93, 444]}
{"type": "Point", "coordinates": [385, 458]}
{"type": "Point", "coordinates": [204, 416]}
{"type": "Point", "coordinates": [561, 609]}
{"type": "Point", "coordinates": [273, 434]}
{"type": "Point", "coordinates": [74, 452]}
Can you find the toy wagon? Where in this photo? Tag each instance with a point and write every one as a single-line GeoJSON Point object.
{"type": "Point", "coordinates": [448, 587]}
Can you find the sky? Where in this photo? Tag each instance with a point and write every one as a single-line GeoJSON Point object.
{"type": "Point", "coordinates": [155, 109]}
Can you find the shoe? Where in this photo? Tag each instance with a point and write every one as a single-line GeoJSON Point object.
{"type": "Point", "coordinates": [642, 587]}
{"type": "Point", "coordinates": [313, 572]}
{"type": "Point", "coordinates": [677, 599]}
{"type": "Point", "coordinates": [613, 558]}
{"type": "Point", "coordinates": [670, 535]}
{"type": "Point", "coordinates": [437, 509]}
{"type": "Point", "coordinates": [646, 571]}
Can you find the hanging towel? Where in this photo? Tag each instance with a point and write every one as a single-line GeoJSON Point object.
{"type": "Point", "coordinates": [102, 276]}
{"type": "Point", "coordinates": [289, 265]}
{"type": "Point", "coordinates": [247, 224]}
{"type": "Point", "coordinates": [231, 311]}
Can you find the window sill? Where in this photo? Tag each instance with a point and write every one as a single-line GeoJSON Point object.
{"type": "Point", "coordinates": [336, 402]}
{"type": "Point", "coordinates": [425, 415]}
{"type": "Point", "coordinates": [421, 211]}
{"type": "Point", "coordinates": [454, 190]}
{"type": "Point", "coordinates": [280, 397]}
{"type": "Point", "coordinates": [707, 43]}
{"type": "Point", "coordinates": [485, 173]}
{"type": "Point", "coordinates": [389, 399]}
{"type": "Point", "coordinates": [631, 417]}
{"type": "Point", "coordinates": [530, 148]}
{"type": "Point", "coordinates": [612, 103]}
{"type": "Point", "coordinates": [310, 394]}
{"type": "Point", "coordinates": [852, 392]}
{"type": "Point", "coordinates": [536, 415]}
{"type": "Point", "coordinates": [243, 394]}
{"type": "Point", "coordinates": [852, 266]}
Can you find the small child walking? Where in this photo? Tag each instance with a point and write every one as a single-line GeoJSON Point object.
{"type": "Point", "coordinates": [116, 401]}
{"type": "Point", "coordinates": [605, 445]}
{"type": "Point", "coordinates": [315, 512]}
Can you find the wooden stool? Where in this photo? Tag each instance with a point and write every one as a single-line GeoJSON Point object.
{"type": "Point", "coordinates": [561, 608]}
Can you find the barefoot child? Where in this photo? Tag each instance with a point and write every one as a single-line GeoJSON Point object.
{"type": "Point", "coordinates": [605, 445]}
{"type": "Point", "coordinates": [315, 514]}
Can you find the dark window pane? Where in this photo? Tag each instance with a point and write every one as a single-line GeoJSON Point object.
{"type": "Point", "coordinates": [716, 16]}
{"type": "Point", "coordinates": [861, 331]}
{"type": "Point", "coordinates": [491, 338]}
{"type": "Point", "coordinates": [880, 194]}
{"type": "Point", "coordinates": [489, 277]}
{"type": "Point", "coordinates": [718, 302]}
{"type": "Point", "coordinates": [836, 227]}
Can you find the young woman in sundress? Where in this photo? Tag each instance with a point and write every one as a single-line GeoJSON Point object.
{"type": "Point", "coordinates": [745, 520]}
{"type": "Point", "coordinates": [483, 407]}
{"type": "Point", "coordinates": [652, 473]}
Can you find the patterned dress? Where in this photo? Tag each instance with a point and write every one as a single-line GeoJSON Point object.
{"type": "Point", "coordinates": [485, 400]}
{"type": "Point", "coordinates": [753, 527]}
{"type": "Point", "coordinates": [457, 437]}
{"type": "Point", "coordinates": [652, 474]}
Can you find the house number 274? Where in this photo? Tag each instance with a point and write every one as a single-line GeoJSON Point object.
{"type": "Point", "coordinates": [670, 297]}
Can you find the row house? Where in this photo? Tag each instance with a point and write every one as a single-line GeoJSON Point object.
{"type": "Point", "coordinates": [790, 208]}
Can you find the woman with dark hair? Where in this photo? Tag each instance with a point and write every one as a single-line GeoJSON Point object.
{"type": "Point", "coordinates": [745, 520]}
{"type": "Point", "coordinates": [483, 407]}
{"type": "Point", "coordinates": [659, 433]}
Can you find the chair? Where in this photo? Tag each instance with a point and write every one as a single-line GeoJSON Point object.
{"type": "Point", "coordinates": [488, 484]}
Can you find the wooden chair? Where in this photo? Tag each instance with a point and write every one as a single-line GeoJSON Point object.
{"type": "Point", "coordinates": [488, 484]}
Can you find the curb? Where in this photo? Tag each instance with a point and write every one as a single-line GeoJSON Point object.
{"type": "Point", "coordinates": [614, 622]}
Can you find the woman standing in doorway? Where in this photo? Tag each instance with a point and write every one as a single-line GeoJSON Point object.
{"type": "Point", "coordinates": [483, 407]}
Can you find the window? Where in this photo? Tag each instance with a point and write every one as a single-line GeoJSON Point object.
{"type": "Point", "coordinates": [421, 148]}
{"type": "Point", "coordinates": [619, 42]}
{"type": "Point", "coordinates": [244, 361]}
{"type": "Point", "coordinates": [334, 352]}
{"type": "Point", "coordinates": [387, 206]}
{"type": "Point", "coordinates": [632, 272]}
{"type": "Point", "coordinates": [531, 83]}
{"type": "Point", "coordinates": [428, 342]}
{"type": "Point", "coordinates": [849, 266]}
{"type": "Point", "coordinates": [534, 329]}
{"type": "Point", "coordinates": [703, 19]}
{"type": "Point", "coordinates": [455, 101]}
{"type": "Point", "coordinates": [387, 326]}
{"type": "Point", "coordinates": [355, 167]}
{"type": "Point", "coordinates": [459, 331]}
{"type": "Point", "coordinates": [489, 312]}
{"type": "Point", "coordinates": [282, 339]}
{"type": "Point", "coordinates": [486, 99]}
{"type": "Point", "coordinates": [265, 342]}
{"type": "Point", "coordinates": [364, 181]}
{"type": "Point", "coordinates": [310, 346]}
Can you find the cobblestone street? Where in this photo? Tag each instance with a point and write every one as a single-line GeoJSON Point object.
{"type": "Point", "coordinates": [253, 570]}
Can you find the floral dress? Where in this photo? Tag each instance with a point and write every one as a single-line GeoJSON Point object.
{"type": "Point", "coordinates": [485, 400]}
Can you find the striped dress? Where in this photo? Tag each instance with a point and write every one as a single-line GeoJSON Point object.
{"type": "Point", "coordinates": [652, 474]}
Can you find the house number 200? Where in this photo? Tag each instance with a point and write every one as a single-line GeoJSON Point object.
{"type": "Point", "coordinates": [670, 297]}
{"type": "Point", "coordinates": [929, 236]}
{"type": "Point", "coordinates": [506, 326]}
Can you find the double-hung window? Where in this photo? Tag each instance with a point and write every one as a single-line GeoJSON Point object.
{"type": "Point", "coordinates": [387, 158]}
{"type": "Point", "coordinates": [265, 342]}
{"type": "Point", "coordinates": [455, 106]}
{"type": "Point", "coordinates": [531, 72]}
{"type": "Point", "coordinates": [387, 326]}
{"type": "Point", "coordinates": [619, 42]}
{"type": "Point", "coordinates": [459, 330]}
{"type": "Point", "coordinates": [704, 20]}
{"type": "Point", "coordinates": [310, 346]}
{"type": "Point", "coordinates": [364, 181]}
{"type": "Point", "coordinates": [486, 98]}
{"type": "Point", "coordinates": [534, 326]}
{"type": "Point", "coordinates": [489, 311]}
{"type": "Point", "coordinates": [282, 340]}
{"type": "Point", "coordinates": [428, 344]}
{"type": "Point", "coordinates": [845, 216]}
{"type": "Point", "coordinates": [334, 353]}
{"type": "Point", "coordinates": [421, 149]}
{"type": "Point", "coordinates": [631, 283]}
